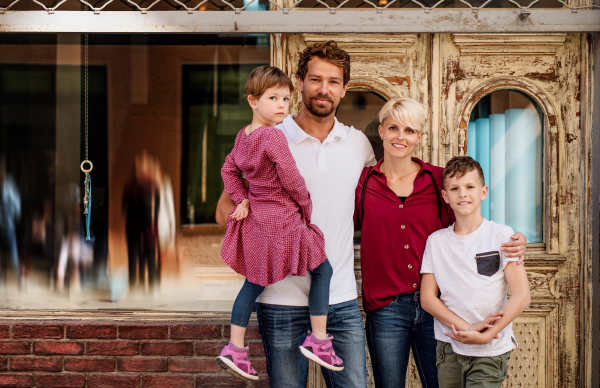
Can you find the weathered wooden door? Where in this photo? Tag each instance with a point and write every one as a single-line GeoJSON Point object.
{"type": "Point", "coordinates": [450, 74]}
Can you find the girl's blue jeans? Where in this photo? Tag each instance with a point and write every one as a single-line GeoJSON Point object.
{"type": "Point", "coordinates": [318, 296]}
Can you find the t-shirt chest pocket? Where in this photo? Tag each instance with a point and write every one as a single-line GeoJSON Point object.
{"type": "Point", "coordinates": [488, 263]}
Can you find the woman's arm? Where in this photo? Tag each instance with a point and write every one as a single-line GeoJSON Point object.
{"type": "Point", "coordinates": [516, 247]}
{"type": "Point", "coordinates": [358, 193]}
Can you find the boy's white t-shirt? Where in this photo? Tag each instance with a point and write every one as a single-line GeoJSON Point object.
{"type": "Point", "coordinates": [331, 171]}
{"type": "Point", "coordinates": [467, 293]}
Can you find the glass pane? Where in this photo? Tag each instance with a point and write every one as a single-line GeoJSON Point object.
{"type": "Point", "coordinates": [359, 109]}
{"type": "Point", "coordinates": [505, 137]}
{"type": "Point", "coordinates": [163, 112]}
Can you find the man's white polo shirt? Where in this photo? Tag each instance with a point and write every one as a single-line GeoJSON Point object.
{"type": "Point", "coordinates": [331, 171]}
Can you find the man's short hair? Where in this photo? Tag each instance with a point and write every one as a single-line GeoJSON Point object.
{"type": "Point", "coordinates": [459, 166]}
{"type": "Point", "coordinates": [328, 51]}
{"type": "Point", "coordinates": [265, 77]}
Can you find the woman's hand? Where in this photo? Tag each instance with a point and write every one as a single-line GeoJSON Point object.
{"type": "Point", "coordinates": [486, 323]}
{"type": "Point", "coordinates": [516, 247]}
{"type": "Point", "coordinates": [470, 336]}
{"type": "Point", "coordinates": [241, 211]}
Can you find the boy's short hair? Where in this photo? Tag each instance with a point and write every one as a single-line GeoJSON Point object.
{"type": "Point", "coordinates": [328, 51]}
{"type": "Point", "coordinates": [459, 166]}
{"type": "Point", "coordinates": [406, 110]}
{"type": "Point", "coordinates": [265, 77]}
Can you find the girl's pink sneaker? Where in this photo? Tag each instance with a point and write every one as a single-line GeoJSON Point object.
{"type": "Point", "coordinates": [321, 351]}
{"type": "Point", "coordinates": [235, 361]}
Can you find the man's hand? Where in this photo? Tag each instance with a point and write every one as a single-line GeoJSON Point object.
{"type": "Point", "coordinates": [486, 323]}
{"type": "Point", "coordinates": [516, 247]}
{"type": "Point", "coordinates": [224, 207]}
{"type": "Point", "coordinates": [470, 337]}
{"type": "Point", "coordinates": [241, 211]}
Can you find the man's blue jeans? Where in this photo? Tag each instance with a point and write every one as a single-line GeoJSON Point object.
{"type": "Point", "coordinates": [284, 328]}
{"type": "Point", "coordinates": [391, 332]}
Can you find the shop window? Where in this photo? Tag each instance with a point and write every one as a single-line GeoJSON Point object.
{"type": "Point", "coordinates": [163, 113]}
{"type": "Point", "coordinates": [214, 111]}
{"type": "Point", "coordinates": [505, 137]}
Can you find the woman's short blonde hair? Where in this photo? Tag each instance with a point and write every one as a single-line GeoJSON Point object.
{"type": "Point", "coordinates": [406, 110]}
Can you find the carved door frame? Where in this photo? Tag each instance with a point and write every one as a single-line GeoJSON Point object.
{"type": "Point", "coordinates": [448, 74]}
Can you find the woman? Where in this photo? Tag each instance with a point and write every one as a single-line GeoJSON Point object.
{"type": "Point", "coordinates": [402, 206]}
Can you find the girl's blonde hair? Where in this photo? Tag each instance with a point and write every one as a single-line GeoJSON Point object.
{"type": "Point", "coordinates": [406, 110]}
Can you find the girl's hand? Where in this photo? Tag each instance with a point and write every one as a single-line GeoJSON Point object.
{"type": "Point", "coordinates": [241, 211]}
{"type": "Point", "coordinates": [486, 323]}
{"type": "Point", "coordinates": [470, 337]}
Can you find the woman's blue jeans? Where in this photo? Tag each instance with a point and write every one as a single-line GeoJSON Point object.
{"type": "Point", "coordinates": [318, 296]}
{"type": "Point", "coordinates": [395, 329]}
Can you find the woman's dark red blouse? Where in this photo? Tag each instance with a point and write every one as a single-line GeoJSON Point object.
{"type": "Point", "coordinates": [394, 233]}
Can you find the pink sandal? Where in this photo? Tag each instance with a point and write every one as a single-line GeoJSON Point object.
{"type": "Point", "coordinates": [235, 361]}
{"type": "Point", "coordinates": [321, 352]}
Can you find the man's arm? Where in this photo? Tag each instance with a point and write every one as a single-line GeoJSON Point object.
{"type": "Point", "coordinates": [224, 207]}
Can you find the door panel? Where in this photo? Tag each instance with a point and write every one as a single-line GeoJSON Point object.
{"type": "Point", "coordinates": [449, 74]}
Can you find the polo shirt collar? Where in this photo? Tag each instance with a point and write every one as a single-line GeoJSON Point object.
{"type": "Point", "coordinates": [297, 134]}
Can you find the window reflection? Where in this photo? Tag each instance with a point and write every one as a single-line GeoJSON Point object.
{"type": "Point", "coordinates": [505, 137]}
{"type": "Point", "coordinates": [161, 109]}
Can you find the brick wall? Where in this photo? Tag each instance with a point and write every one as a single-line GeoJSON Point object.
{"type": "Point", "coordinates": [123, 355]}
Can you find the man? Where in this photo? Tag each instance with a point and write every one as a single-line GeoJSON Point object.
{"type": "Point", "coordinates": [330, 157]}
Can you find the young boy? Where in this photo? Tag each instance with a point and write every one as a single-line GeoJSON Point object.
{"type": "Point", "coordinates": [464, 266]}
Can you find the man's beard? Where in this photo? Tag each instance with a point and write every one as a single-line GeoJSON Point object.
{"type": "Point", "coordinates": [318, 111]}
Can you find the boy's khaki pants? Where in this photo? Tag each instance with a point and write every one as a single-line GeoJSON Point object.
{"type": "Point", "coordinates": [456, 371]}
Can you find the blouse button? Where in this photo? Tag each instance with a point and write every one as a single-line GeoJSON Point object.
{"type": "Point", "coordinates": [406, 246]}
{"type": "Point", "coordinates": [402, 226]}
{"type": "Point", "coordinates": [401, 206]}
{"type": "Point", "coordinates": [410, 266]}
{"type": "Point", "coordinates": [414, 285]}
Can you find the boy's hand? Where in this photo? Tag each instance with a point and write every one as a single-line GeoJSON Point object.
{"type": "Point", "coordinates": [486, 323]}
{"type": "Point", "coordinates": [241, 211]}
{"type": "Point", "coordinates": [470, 337]}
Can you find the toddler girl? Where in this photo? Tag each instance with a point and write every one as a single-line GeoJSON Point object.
{"type": "Point", "coordinates": [269, 235]}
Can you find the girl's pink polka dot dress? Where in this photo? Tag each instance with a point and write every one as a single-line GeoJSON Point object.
{"type": "Point", "coordinates": [277, 238]}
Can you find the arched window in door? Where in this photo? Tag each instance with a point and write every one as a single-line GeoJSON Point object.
{"type": "Point", "coordinates": [505, 137]}
{"type": "Point", "coordinates": [359, 109]}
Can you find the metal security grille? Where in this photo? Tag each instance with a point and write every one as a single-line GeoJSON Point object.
{"type": "Point", "coordinates": [302, 16]}
{"type": "Point", "coordinates": [332, 6]}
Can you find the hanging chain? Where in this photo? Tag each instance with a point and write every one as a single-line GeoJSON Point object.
{"type": "Point", "coordinates": [86, 94]}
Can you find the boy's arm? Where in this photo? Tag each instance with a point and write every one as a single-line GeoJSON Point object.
{"type": "Point", "coordinates": [519, 300]}
{"type": "Point", "coordinates": [434, 306]}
